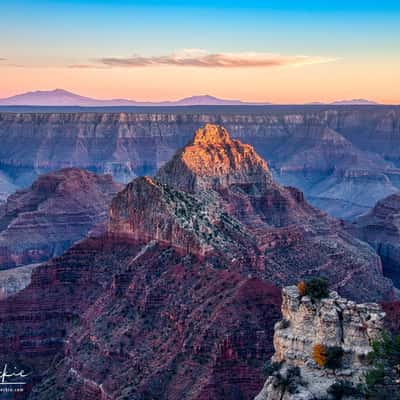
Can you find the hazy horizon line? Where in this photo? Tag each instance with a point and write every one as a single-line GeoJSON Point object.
{"type": "Point", "coordinates": [196, 95]}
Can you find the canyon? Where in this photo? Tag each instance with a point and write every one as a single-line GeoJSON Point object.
{"type": "Point", "coordinates": [344, 158]}
{"type": "Point", "coordinates": [179, 296]}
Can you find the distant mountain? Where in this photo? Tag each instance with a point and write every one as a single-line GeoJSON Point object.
{"type": "Point", "coordinates": [61, 97]}
{"type": "Point", "coordinates": [207, 100]}
{"type": "Point", "coordinates": [354, 102]}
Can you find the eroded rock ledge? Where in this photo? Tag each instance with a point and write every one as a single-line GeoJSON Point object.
{"type": "Point", "coordinates": [330, 322]}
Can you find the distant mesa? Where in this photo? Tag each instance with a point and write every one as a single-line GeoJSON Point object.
{"type": "Point", "coordinates": [354, 102]}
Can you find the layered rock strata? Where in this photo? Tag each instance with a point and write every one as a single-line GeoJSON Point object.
{"type": "Point", "coordinates": [381, 229]}
{"type": "Point", "coordinates": [59, 209]}
{"type": "Point", "coordinates": [331, 153]}
{"type": "Point", "coordinates": [330, 322]}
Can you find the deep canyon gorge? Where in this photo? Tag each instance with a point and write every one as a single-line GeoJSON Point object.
{"type": "Point", "coordinates": [344, 158]}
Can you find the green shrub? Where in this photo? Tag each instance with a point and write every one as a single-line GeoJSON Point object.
{"type": "Point", "coordinates": [334, 357]}
{"type": "Point", "coordinates": [376, 376]}
{"type": "Point", "coordinates": [317, 288]}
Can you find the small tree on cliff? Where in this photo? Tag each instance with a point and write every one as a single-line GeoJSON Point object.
{"type": "Point", "coordinates": [316, 288]}
{"type": "Point", "coordinates": [334, 355]}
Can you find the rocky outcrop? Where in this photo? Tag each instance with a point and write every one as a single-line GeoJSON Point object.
{"type": "Point", "coordinates": [178, 298]}
{"type": "Point", "coordinates": [381, 229]}
{"type": "Point", "coordinates": [59, 209]}
{"type": "Point", "coordinates": [212, 160]}
{"type": "Point", "coordinates": [15, 279]}
{"type": "Point", "coordinates": [330, 322]}
{"type": "Point", "coordinates": [330, 153]}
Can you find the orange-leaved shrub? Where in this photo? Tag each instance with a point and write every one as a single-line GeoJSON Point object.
{"type": "Point", "coordinates": [319, 354]}
{"type": "Point", "coordinates": [301, 287]}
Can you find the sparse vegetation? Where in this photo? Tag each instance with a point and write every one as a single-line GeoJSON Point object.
{"type": "Point", "coordinates": [316, 288]}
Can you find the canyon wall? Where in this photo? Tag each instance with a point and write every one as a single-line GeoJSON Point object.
{"type": "Point", "coordinates": [344, 158]}
{"type": "Point", "coordinates": [381, 229]}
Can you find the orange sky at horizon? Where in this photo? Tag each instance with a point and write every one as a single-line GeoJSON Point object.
{"type": "Point", "coordinates": [277, 51]}
{"type": "Point", "coordinates": [284, 84]}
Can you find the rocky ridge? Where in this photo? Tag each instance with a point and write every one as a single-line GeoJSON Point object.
{"type": "Point", "coordinates": [233, 201]}
{"type": "Point", "coordinates": [333, 321]}
{"type": "Point", "coordinates": [59, 209]}
{"type": "Point", "coordinates": [147, 209]}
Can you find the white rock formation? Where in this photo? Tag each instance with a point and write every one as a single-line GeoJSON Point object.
{"type": "Point", "coordinates": [333, 321]}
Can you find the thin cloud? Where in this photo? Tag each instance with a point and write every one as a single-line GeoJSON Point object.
{"type": "Point", "coordinates": [88, 66]}
{"type": "Point", "coordinates": [5, 63]}
{"type": "Point", "coordinates": [201, 58]}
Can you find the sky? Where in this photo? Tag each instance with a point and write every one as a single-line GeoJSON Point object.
{"type": "Point", "coordinates": [273, 51]}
